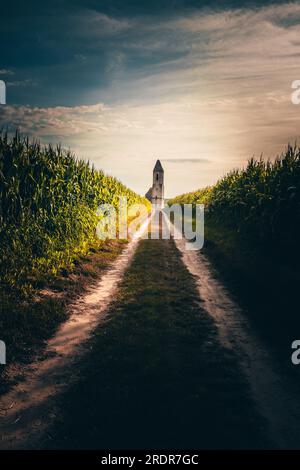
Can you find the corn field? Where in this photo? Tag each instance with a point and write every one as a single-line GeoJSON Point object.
{"type": "Point", "coordinates": [48, 202]}
{"type": "Point", "coordinates": [261, 200]}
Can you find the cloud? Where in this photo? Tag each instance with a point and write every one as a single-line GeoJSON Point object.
{"type": "Point", "coordinates": [185, 160]}
{"type": "Point", "coordinates": [23, 83]}
{"type": "Point", "coordinates": [212, 84]}
{"type": "Point", "coordinates": [61, 121]}
{"type": "Point", "coordinates": [90, 23]}
{"type": "Point", "coordinates": [6, 72]}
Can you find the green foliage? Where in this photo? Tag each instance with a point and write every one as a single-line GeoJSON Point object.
{"type": "Point", "coordinates": [48, 202]}
{"type": "Point", "coordinates": [262, 199]}
{"type": "Point", "coordinates": [201, 196]}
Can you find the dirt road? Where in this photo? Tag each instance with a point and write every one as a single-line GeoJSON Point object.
{"type": "Point", "coordinates": [159, 356]}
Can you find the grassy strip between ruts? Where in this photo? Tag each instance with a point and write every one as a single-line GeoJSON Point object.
{"type": "Point", "coordinates": [155, 374]}
{"type": "Point", "coordinates": [26, 323]}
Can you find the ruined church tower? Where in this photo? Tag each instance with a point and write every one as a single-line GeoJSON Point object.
{"type": "Point", "coordinates": [156, 193]}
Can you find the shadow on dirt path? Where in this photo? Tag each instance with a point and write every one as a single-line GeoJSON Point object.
{"type": "Point", "coordinates": [157, 375]}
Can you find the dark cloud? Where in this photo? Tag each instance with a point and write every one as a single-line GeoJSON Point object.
{"type": "Point", "coordinates": [44, 43]}
{"type": "Point", "coordinates": [126, 80]}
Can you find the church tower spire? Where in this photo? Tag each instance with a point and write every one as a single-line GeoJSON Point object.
{"type": "Point", "coordinates": [156, 192]}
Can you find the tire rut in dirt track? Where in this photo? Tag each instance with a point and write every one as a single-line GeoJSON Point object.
{"type": "Point", "coordinates": [157, 375]}
{"type": "Point", "coordinates": [275, 393]}
{"type": "Point", "coordinates": [29, 408]}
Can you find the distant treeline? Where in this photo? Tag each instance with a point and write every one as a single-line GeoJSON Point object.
{"type": "Point", "coordinates": [262, 200]}
{"type": "Point", "coordinates": [48, 202]}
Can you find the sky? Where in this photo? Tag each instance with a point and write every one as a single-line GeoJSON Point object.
{"type": "Point", "coordinates": [201, 85]}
